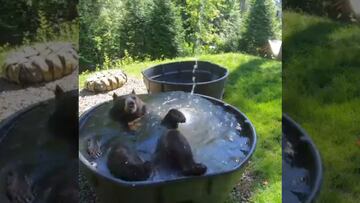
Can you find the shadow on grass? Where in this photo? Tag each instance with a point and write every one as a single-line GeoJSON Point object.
{"type": "Point", "coordinates": [321, 86]}
{"type": "Point", "coordinates": [252, 81]}
{"type": "Point", "coordinates": [299, 43]}
{"type": "Point", "coordinates": [255, 88]}
{"type": "Point", "coordinates": [241, 71]}
{"type": "Point", "coordinates": [320, 61]}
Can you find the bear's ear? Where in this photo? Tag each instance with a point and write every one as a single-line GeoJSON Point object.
{"type": "Point", "coordinates": [115, 95]}
{"type": "Point", "coordinates": [58, 91]}
{"type": "Point", "coordinates": [133, 91]}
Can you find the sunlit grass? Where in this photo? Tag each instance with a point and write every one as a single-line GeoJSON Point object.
{"type": "Point", "coordinates": [322, 92]}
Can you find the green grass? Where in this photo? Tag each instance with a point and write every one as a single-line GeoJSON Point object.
{"type": "Point", "coordinates": [322, 92]}
{"type": "Point", "coordinates": [254, 86]}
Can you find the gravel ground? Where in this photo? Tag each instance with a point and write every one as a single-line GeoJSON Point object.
{"type": "Point", "coordinates": [14, 97]}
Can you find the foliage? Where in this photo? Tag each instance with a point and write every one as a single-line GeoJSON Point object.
{"type": "Point", "coordinates": [258, 26]}
{"type": "Point", "coordinates": [209, 25]}
{"type": "Point", "coordinates": [335, 9]}
{"type": "Point", "coordinates": [135, 27]}
{"type": "Point", "coordinates": [321, 92]}
{"type": "Point", "coordinates": [44, 31]}
{"type": "Point", "coordinates": [165, 31]}
{"type": "Point", "coordinates": [39, 21]}
{"type": "Point", "coordinates": [99, 28]}
{"type": "Point", "coordinates": [159, 29]}
{"type": "Point", "coordinates": [20, 18]}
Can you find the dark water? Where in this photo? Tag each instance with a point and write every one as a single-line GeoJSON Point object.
{"type": "Point", "coordinates": [30, 146]}
{"type": "Point", "coordinates": [186, 77]}
{"type": "Point", "coordinates": [296, 179]}
{"type": "Point", "coordinates": [213, 134]}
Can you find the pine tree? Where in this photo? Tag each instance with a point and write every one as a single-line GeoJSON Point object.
{"type": "Point", "coordinates": [230, 28]}
{"type": "Point", "coordinates": [134, 28]}
{"type": "Point", "coordinates": [258, 26]}
{"type": "Point", "coordinates": [165, 33]}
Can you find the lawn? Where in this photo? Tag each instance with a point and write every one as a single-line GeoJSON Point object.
{"type": "Point", "coordinates": [254, 86]}
{"type": "Point", "coordinates": [321, 91]}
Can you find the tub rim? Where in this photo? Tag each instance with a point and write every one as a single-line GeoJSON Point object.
{"type": "Point", "coordinates": [318, 162]}
{"type": "Point", "coordinates": [224, 77]}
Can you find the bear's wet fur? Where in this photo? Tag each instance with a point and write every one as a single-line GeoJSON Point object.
{"type": "Point", "coordinates": [173, 118]}
{"type": "Point", "coordinates": [174, 148]}
{"type": "Point", "coordinates": [124, 163]}
{"type": "Point", "coordinates": [128, 108]}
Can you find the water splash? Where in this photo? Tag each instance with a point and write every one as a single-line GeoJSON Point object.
{"type": "Point", "coordinates": [194, 77]}
{"type": "Point", "coordinates": [197, 44]}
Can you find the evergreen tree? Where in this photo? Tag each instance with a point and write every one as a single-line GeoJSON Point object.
{"type": "Point", "coordinates": [258, 26]}
{"type": "Point", "coordinates": [99, 28]}
{"type": "Point", "coordinates": [135, 28]}
{"type": "Point", "coordinates": [165, 34]}
{"type": "Point", "coordinates": [230, 26]}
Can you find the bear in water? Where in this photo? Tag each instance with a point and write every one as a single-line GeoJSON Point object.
{"type": "Point", "coordinates": [127, 109]}
{"type": "Point", "coordinates": [174, 148]}
{"type": "Point", "coordinates": [124, 163]}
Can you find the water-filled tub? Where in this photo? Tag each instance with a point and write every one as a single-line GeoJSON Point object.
{"type": "Point", "coordinates": [210, 188]}
{"type": "Point", "coordinates": [210, 78]}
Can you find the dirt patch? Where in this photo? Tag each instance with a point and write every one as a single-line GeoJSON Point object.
{"type": "Point", "coordinates": [243, 190]}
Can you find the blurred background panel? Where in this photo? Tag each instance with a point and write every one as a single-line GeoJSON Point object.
{"type": "Point", "coordinates": [321, 89]}
{"type": "Point", "coordinates": [38, 101]}
{"type": "Point", "coordinates": [38, 50]}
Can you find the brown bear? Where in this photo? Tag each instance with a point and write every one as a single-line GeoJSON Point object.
{"type": "Point", "coordinates": [174, 148]}
{"type": "Point", "coordinates": [124, 163]}
{"type": "Point", "coordinates": [127, 109]}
